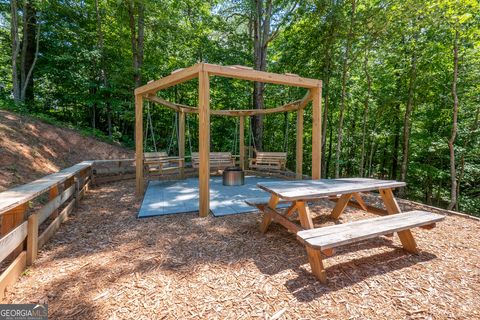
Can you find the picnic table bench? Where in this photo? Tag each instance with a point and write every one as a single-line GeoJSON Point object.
{"type": "Point", "coordinates": [323, 240]}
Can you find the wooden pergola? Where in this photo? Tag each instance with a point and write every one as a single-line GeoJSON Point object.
{"type": "Point", "coordinates": [204, 71]}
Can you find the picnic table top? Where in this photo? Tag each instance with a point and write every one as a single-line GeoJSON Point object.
{"type": "Point", "coordinates": [314, 189]}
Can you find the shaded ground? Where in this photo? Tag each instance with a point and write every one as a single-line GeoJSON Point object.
{"type": "Point", "coordinates": [31, 149]}
{"type": "Point", "coordinates": [105, 264]}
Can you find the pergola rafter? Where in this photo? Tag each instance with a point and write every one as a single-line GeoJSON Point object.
{"type": "Point", "coordinates": [203, 71]}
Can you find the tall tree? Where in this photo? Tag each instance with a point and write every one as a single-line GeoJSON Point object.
{"type": "Point", "coordinates": [137, 34]}
{"type": "Point", "coordinates": [343, 97]}
{"type": "Point", "coordinates": [26, 50]}
{"type": "Point", "coordinates": [451, 140]}
{"type": "Point", "coordinates": [264, 31]}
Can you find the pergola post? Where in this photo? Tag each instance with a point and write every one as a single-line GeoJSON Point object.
{"type": "Point", "coordinates": [242, 142]}
{"type": "Point", "coordinates": [316, 94]}
{"type": "Point", "coordinates": [139, 144]}
{"type": "Point", "coordinates": [204, 142]}
{"type": "Point", "coordinates": [181, 142]}
{"type": "Point", "coordinates": [299, 146]}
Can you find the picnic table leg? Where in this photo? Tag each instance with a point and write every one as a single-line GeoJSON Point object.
{"type": "Point", "coordinates": [291, 210]}
{"type": "Point", "coordinates": [267, 218]}
{"type": "Point", "coordinates": [316, 263]}
{"type": "Point", "coordinates": [405, 236]}
{"type": "Point", "coordinates": [305, 215]}
{"type": "Point", "coordinates": [360, 201]}
{"type": "Point", "coordinates": [340, 206]}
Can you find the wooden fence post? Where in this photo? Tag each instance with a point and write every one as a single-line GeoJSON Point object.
{"type": "Point", "coordinates": [32, 239]}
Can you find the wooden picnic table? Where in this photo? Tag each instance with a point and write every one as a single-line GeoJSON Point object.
{"type": "Point", "coordinates": [323, 240]}
{"type": "Point", "coordinates": [342, 190]}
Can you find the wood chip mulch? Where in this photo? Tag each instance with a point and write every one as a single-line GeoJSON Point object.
{"type": "Point", "coordinates": [106, 264]}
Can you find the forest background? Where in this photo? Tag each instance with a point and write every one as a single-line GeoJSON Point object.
{"type": "Point", "coordinates": [401, 79]}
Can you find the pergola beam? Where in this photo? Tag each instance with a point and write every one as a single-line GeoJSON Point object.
{"type": "Point", "coordinates": [261, 76]}
{"type": "Point", "coordinates": [174, 78]}
{"type": "Point", "coordinates": [174, 106]}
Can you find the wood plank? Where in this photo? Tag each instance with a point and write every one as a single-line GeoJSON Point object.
{"type": "Point", "coordinates": [406, 237]}
{"type": "Point", "coordinates": [316, 131]}
{"type": "Point", "coordinates": [242, 142]}
{"type": "Point", "coordinates": [177, 107]}
{"type": "Point", "coordinates": [119, 162]}
{"type": "Point", "coordinates": [12, 219]}
{"type": "Point", "coordinates": [299, 146]}
{"type": "Point", "coordinates": [139, 184]}
{"type": "Point", "coordinates": [360, 201]}
{"type": "Point", "coordinates": [305, 215]}
{"type": "Point", "coordinates": [12, 240]}
{"type": "Point", "coordinates": [12, 273]}
{"type": "Point", "coordinates": [170, 80]}
{"type": "Point", "coordinates": [267, 218]}
{"type": "Point", "coordinates": [54, 204]}
{"type": "Point", "coordinates": [370, 208]}
{"type": "Point", "coordinates": [204, 143]}
{"type": "Point", "coordinates": [275, 216]}
{"type": "Point", "coordinates": [261, 76]}
{"type": "Point", "coordinates": [316, 264]}
{"type": "Point", "coordinates": [32, 239]}
{"type": "Point", "coordinates": [316, 189]}
{"type": "Point", "coordinates": [53, 227]}
{"type": "Point", "coordinates": [13, 197]}
{"type": "Point", "coordinates": [340, 206]}
{"type": "Point", "coordinates": [337, 235]}
{"type": "Point", "coordinates": [291, 210]}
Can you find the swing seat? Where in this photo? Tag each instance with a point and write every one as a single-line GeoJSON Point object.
{"type": "Point", "coordinates": [159, 162]}
{"type": "Point", "coordinates": [269, 160]}
{"type": "Point", "coordinates": [218, 160]}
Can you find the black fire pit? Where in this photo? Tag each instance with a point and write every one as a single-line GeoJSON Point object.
{"type": "Point", "coordinates": [233, 176]}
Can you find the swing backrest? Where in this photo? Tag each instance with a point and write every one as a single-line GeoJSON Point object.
{"type": "Point", "coordinates": [154, 156]}
{"type": "Point", "coordinates": [218, 160]}
{"type": "Point", "coordinates": [274, 160]}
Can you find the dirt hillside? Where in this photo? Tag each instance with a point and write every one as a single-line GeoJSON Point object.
{"type": "Point", "coordinates": [30, 149]}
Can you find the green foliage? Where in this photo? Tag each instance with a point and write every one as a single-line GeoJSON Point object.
{"type": "Point", "coordinates": [391, 42]}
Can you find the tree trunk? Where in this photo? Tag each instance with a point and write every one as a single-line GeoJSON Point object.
{"type": "Point", "coordinates": [466, 142]}
{"type": "Point", "coordinates": [103, 69]}
{"type": "Point", "coordinates": [324, 125]}
{"type": "Point", "coordinates": [15, 50]}
{"type": "Point", "coordinates": [261, 34]}
{"type": "Point", "coordinates": [344, 91]}
{"type": "Point", "coordinates": [330, 146]}
{"type": "Point", "coordinates": [329, 57]}
{"type": "Point", "coordinates": [365, 113]}
{"type": "Point", "coordinates": [406, 122]}
{"type": "Point", "coordinates": [137, 39]}
{"type": "Point", "coordinates": [396, 145]}
{"type": "Point", "coordinates": [451, 141]}
{"type": "Point", "coordinates": [29, 51]}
